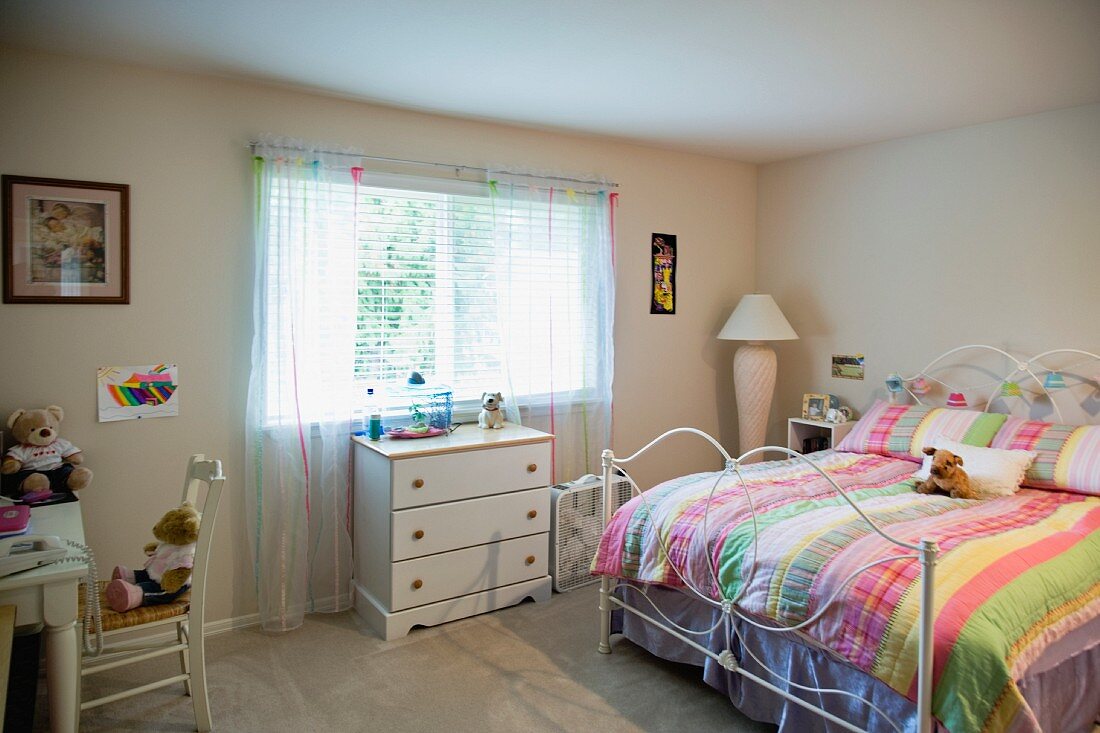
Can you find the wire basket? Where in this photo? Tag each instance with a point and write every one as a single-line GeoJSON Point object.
{"type": "Point", "coordinates": [576, 523]}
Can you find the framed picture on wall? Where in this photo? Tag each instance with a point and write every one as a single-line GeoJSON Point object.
{"type": "Point", "coordinates": [66, 241]}
{"type": "Point", "coordinates": [663, 254]}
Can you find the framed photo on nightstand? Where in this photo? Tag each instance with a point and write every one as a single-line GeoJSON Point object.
{"type": "Point", "coordinates": [814, 406]}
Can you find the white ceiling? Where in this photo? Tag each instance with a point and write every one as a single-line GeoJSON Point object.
{"type": "Point", "coordinates": [755, 80]}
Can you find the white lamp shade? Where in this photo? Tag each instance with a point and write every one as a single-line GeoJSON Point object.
{"type": "Point", "coordinates": [757, 318]}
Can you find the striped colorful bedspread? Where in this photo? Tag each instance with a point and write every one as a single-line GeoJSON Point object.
{"type": "Point", "coordinates": [1014, 574]}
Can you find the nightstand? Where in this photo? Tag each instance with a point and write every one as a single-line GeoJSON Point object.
{"type": "Point", "coordinates": [800, 430]}
{"type": "Point", "coordinates": [450, 526]}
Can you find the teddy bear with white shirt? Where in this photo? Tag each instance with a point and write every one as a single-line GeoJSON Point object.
{"type": "Point", "coordinates": [41, 458]}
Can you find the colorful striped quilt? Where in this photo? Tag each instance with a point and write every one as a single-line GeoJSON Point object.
{"type": "Point", "coordinates": [1014, 573]}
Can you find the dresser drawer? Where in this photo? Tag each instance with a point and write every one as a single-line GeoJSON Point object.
{"type": "Point", "coordinates": [453, 574]}
{"type": "Point", "coordinates": [441, 527]}
{"type": "Point", "coordinates": [454, 476]}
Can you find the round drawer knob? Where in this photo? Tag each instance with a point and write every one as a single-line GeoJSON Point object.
{"type": "Point", "coordinates": [530, 559]}
{"type": "Point", "coordinates": [418, 534]}
{"type": "Point", "coordinates": [532, 467]}
{"type": "Point", "coordinates": [418, 484]}
{"type": "Point", "coordinates": [532, 514]}
{"type": "Point", "coordinates": [417, 584]}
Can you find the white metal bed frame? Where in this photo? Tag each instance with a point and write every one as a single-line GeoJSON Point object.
{"type": "Point", "coordinates": [1032, 367]}
{"type": "Point", "coordinates": [925, 552]}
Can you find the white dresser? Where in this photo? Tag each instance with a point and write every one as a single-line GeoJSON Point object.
{"type": "Point", "coordinates": [450, 526]}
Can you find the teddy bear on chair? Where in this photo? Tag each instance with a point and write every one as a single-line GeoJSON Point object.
{"type": "Point", "coordinates": [167, 571]}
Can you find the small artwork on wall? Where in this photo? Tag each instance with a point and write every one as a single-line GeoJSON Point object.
{"type": "Point", "coordinates": [663, 255]}
{"type": "Point", "coordinates": [136, 392]}
{"type": "Point", "coordinates": [848, 366]}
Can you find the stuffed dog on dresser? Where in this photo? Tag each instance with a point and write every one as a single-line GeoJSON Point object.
{"type": "Point", "coordinates": [946, 475]}
{"type": "Point", "coordinates": [491, 415]}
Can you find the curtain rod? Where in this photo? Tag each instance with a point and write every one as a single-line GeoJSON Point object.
{"type": "Point", "coordinates": [611, 184]}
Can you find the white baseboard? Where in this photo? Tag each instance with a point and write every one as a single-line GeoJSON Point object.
{"type": "Point", "coordinates": [332, 604]}
{"type": "Point", "coordinates": [233, 623]}
{"type": "Point", "coordinates": [212, 628]}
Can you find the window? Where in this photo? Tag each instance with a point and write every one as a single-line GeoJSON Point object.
{"type": "Point", "coordinates": [424, 281]}
{"type": "Point", "coordinates": [478, 287]}
{"type": "Point", "coordinates": [505, 285]}
{"type": "Point", "coordinates": [445, 277]}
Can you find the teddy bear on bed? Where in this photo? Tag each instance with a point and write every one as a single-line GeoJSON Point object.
{"type": "Point", "coordinates": [167, 571]}
{"type": "Point", "coordinates": [41, 460]}
{"type": "Point", "coordinates": [946, 475]}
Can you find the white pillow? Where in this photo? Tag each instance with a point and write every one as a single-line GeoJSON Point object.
{"type": "Point", "coordinates": [992, 471]}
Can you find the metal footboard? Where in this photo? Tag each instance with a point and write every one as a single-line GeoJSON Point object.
{"type": "Point", "coordinates": [925, 552]}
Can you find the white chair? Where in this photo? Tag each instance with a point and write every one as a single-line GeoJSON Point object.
{"type": "Point", "coordinates": [186, 612]}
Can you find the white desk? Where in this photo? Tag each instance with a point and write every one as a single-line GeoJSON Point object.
{"type": "Point", "coordinates": [47, 596]}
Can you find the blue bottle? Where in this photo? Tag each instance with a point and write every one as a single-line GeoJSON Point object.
{"type": "Point", "coordinates": [374, 413]}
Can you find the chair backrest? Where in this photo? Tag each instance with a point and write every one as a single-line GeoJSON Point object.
{"type": "Point", "coordinates": [201, 471]}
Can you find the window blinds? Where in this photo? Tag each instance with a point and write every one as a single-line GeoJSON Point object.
{"type": "Point", "coordinates": [505, 284]}
{"type": "Point", "coordinates": [446, 274]}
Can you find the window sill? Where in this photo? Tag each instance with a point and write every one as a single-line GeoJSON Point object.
{"type": "Point", "coordinates": [463, 413]}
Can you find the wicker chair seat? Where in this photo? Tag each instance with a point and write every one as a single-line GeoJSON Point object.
{"type": "Point", "coordinates": [113, 620]}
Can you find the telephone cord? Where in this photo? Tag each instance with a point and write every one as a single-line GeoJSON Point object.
{"type": "Point", "coordinates": [92, 637]}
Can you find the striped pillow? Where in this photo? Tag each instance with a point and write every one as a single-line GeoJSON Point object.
{"type": "Point", "coordinates": [1068, 455]}
{"type": "Point", "coordinates": [903, 431]}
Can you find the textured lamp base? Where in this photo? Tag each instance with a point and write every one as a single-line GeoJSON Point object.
{"type": "Point", "coordinates": [754, 367]}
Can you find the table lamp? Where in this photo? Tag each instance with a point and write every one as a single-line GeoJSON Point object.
{"type": "Point", "coordinates": [756, 319]}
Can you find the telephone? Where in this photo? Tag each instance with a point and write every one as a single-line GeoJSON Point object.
{"type": "Point", "coordinates": [29, 551]}
{"type": "Point", "coordinates": [23, 552]}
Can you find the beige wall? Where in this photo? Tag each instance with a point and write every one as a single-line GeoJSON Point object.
{"type": "Point", "coordinates": [179, 141]}
{"type": "Point", "coordinates": [898, 250]}
{"type": "Point", "coordinates": [903, 249]}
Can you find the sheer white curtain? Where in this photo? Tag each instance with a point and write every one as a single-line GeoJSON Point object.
{"type": "Point", "coordinates": [555, 283]}
{"type": "Point", "coordinates": [302, 383]}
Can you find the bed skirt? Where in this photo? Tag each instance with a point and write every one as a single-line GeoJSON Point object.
{"type": "Point", "coordinates": [1062, 687]}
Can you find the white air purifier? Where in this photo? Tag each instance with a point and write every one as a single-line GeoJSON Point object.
{"type": "Point", "coordinates": [576, 523]}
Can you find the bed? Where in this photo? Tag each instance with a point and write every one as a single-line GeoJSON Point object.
{"type": "Point", "coordinates": [822, 592]}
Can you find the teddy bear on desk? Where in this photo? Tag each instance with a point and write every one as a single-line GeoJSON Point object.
{"type": "Point", "coordinates": [41, 460]}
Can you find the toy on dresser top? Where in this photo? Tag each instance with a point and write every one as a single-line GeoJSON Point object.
{"type": "Point", "coordinates": [491, 415]}
{"type": "Point", "coordinates": [42, 460]}
{"type": "Point", "coordinates": [167, 571]}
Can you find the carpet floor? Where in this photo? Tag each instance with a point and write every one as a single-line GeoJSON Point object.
{"type": "Point", "coordinates": [532, 667]}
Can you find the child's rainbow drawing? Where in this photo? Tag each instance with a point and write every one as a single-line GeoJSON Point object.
{"type": "Point", "coordinates": [135, 392]}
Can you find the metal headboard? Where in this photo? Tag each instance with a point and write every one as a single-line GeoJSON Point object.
{"type": "Point", "coordinates": [1040, 377]}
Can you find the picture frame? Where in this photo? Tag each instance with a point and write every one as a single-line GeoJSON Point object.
{"type": "Point", "coordinates": [814, 406]}
{"type": "Point", "coordinates": [65, 241]}
{"type": "Point", "coordinates": [847, 366]}
{"type": "Point", "coordinates": [663, 259]}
